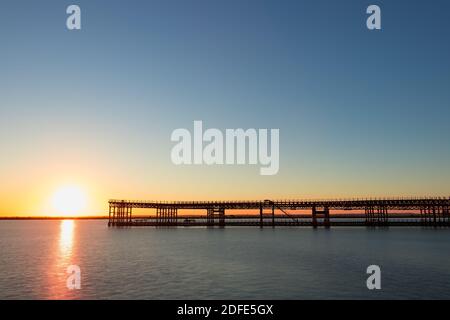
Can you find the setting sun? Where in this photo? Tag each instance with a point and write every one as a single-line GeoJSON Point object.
{"type": "Point", "coordinates": [69, 200]}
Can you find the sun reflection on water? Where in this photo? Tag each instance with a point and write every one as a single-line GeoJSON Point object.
{"type": "Point", "coordinates": [66, 239]}
{"type": "Point", "coordinates": [63, 257]}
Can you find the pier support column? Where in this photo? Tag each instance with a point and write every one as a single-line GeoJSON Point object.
{"type": "Point", "coordinates": [377, 216]}
{"type": "Point", "coordinates": [323, 214]}
{"type": "Point", "coordinates": [425, 216]}
{"type": "Point", "coordinates": [158, 215]}
{"type": "Point", "coordinates": [261, 211]}
{"type": "Point", "coordinates": [175, 216]}
{"type": "Point", "coordinates": [127, 215]}
{"type": "Point", "coordinates": [314, 217]}
{"type": "Point", "coordinates": [445, 216]}
{"type": "Point", "coordinates": [118, 215]}
{"type": "Point", "coordinates": [427, 220]}
{"type": "Point", "coordinates": [441, 215]}
{"type": "Point", "coordinates": [326, 219]}
{"type": "Point", "coordinates": [382, 216]}
{"type": "Point", "coordinates": [273, 215]}
{"type": "Point", "coordinates": [166, 216]}
{"type": "Point", "coordinates": [221, 217]}
{"type": "Point", "coordinates": [210, 217]}
{"type": "Point", "coordinates": [267, 209]}
{"type": "Point", "coordinates": [434, 216]}
{"type": "Point", "coordinates": [428, 215]}
{"type": "Point", "coordinates": [120, 218]}
{"type": "Point", "coordinates": [109, 215]}
{"type": "Point", "coordinates": [371, 219]}
{"type": "Point", "coordinates": [213, 213]}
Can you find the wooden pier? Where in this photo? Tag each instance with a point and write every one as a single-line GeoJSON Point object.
{"type": "Point", "coordinates": [271, 213]}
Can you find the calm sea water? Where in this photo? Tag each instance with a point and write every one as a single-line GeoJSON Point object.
{"type": "Point", "coordinates": [231, 263]}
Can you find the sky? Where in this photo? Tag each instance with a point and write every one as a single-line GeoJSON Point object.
{"type": "Point", "coordinates": [360, 113]}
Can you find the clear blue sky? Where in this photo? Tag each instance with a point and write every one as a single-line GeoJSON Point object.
{"type": "Point", "coordinates": [359, 112]}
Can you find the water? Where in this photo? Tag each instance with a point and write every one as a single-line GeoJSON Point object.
{"type": "Point", "coordinates": [232, 263]}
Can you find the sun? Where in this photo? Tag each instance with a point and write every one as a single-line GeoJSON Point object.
{"type": "Point", "coordinates": [69, 200]}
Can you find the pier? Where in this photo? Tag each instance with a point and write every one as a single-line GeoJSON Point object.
{"type": "Point", "coordinates": [432, 212]}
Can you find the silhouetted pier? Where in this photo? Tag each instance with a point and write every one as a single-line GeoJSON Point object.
{"type": "Point", "coordinates": [270, 213]}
